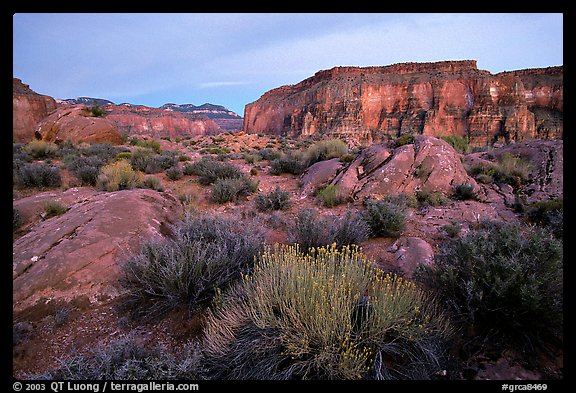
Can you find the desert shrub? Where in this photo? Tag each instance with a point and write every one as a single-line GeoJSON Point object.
{"type": "Point", "coordinates": [452, 229]}
{"type": "Point", "coordinates": [153, 183]}
{"type": "Point", "coordinates": [230, 189]}
{"type": "Point", "coordinates": [508, 169]}
{"type": "Point", "coordinates": [324, 150]}
{"type": "Point", "coordinates": [329, 196]}
{"type": "Point", "coordinates": [209, 170]}
{"type": "Point", "coordinates": [54, 208]}
{"type": "Point", "coordinates": [346, 158]}
{"type": "Point", "coordinates": [147, 144]}
{"type": "Point", "coordinates": [463, 192]}
{"type": "Point", "coordinates": [501, 281]}
{"type": "Point", "coordinates": [105, 151]}
{"type": "Point", "coordinates": [148, 161]}
{"type": "Point", "coordinates": [327, 314]}
{"type": "Point", "coordinates": [405, 139]}
{"type": "Point", "coordinates": [513, 170]}
{"type": "Point", "coordinates": [116, 176]}
{"type": "Point", "coordinates": [269, 154]}
{"type": "Point", "coordinates": [350, 229]}
{"type": "Point", "coordinates": [126, 359]}
{"type": "Point", "coordinates": [287, 164]}
{"type": "Point", "coordinates": [431, 198]}
{"type": "Point", "coordinates": [311, 230]}
{"type": "Point", "coordinates": [205, 255]}
{"type": "Point", "coordinates": [384, 218]}
{"type": "Point", "coordinates": [86, 169]}
{"type": "Point", "coordinates": [37, 174]}
{"type": "Point", "coordinates": [459, 143]}
{"type": "Point", "coordinates": [276, 199]}
{"type": "Point", "coordinates": [403, 200]}
{"type": "Point", "coordinates": [174, 173]}
{"type": "Point", "coordinates": [97, 111]}
{"type": "Point", "coordinates": [548, 214]}
{"type": "Point", "coordinates": [41, 149]}
{"type": "Point", "coordinates": [17, 219]}
{"type": "Point", "coordinates": [19, 154]}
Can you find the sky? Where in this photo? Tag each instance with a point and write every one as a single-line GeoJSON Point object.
{"type": "Point", "coordinates": [232, 59]}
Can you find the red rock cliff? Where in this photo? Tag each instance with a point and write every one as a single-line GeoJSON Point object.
{"type": "Point", "coordinates": [366, 104]}
{"type": "Point", "coordinates": [136, 120]}
{"type": "Point", "coordinates": [28, 108]}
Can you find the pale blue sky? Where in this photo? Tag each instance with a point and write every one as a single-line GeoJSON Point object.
{"type": "Point", "coordinates": [232, 59]}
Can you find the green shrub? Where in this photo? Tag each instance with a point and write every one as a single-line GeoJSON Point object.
{"type": "Point", "coordinates": [287, 164]}
{"type": "Point", "coordinates": [508, 169]}
{"type": "Point", "coordinates": [230, 189]}
{"type": "Point", "coordinates": [405, 139]}
{"type": "Point", "coordinates": [208, 170]}
{"type": "Point", "coordinates": [329, 196]}
{"type": "Point", "coordinates": [116, 176]}
{"type": "Point", "coordinates": [17, 219]}
{"type": "Point", "coordinates": [311, 230]}
{"type": "Point", "coordinates": [269, 154]}
{"type": "Point", "coordinates": [325, 150]}
{"type": "Point", "coordinates": [54, 208]}
{"type": "Point", "coordinates": [37, 174]}
{"type": "Point", "coordinates": [346, 158]}
{"type": "Point", "coordinates": [97, 111]}
{"type": "Point", "coordinates": [174, 173]}
{"type": "Point", "coordinates": [276, 199]}
{"type": "Point", "coordinates": [125, 358]}
{"type": "Point", "coordinates": [384, 218]}
{"type": "Point", "coordinates": [147, 144]}
{"type": "Point", "coordinates": [125, 155]}
{"type": "Point", "coordinates": [403, 200]}
{"type": "Point", "coordinates": [205, 255]}
{"type": "Point", "coordinates": [459, 143]}
{"type": "Point", "coordinates": [463, 192]}
{"type": "Point", "coordinates": [41, 149]}
{"type": "Point", "coordinates": [549, 214]}
{"type": "Point", "coordinates": [328, 314]}
{"type": "Point", "coordinates": [501, 281]}
{"type": "Point", "coordinates": [153, 183]}
{"type": "Point", "coordinates": [452, 229]}
{"type": "Point", "coordinates": [431, 198]}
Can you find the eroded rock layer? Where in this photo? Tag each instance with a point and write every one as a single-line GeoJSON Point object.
{"type": "Point", "coordinates": [368, 104]}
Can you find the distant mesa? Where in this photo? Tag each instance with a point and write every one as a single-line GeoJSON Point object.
{"type": "Point", "coordinates": [365, 105]}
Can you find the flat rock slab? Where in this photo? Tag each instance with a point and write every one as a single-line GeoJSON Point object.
{"type": "Point", "coordinates": [76, 255]}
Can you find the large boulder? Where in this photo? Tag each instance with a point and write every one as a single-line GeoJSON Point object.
{"type": "Point", "coordinates": [74, 258]}
{"type": "Point", "coordinates": [428, 164]}
{"type": "Point", "coordinates": [28, 108]}
{"type": "Point", "coordinates": [77, 124]}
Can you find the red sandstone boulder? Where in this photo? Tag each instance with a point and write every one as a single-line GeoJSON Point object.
{"type": "Point", "coordinates": [430, 164]}
{"type": "Point", "coordinates": [77, 124]}
{"type": "Point", "coordinates": [74, 257]}
{"type": "Point", "coordinates": [28, 108]}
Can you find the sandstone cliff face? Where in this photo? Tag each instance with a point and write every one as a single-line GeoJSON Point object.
{"type": "Point", "coordinates": [75, 123]}
{"type": "Point", "coordinates": [157, 122]}
{"type": "Point", "coordinates": [28, 108]}
{"type": "Point", "coordinates": [366, 105]}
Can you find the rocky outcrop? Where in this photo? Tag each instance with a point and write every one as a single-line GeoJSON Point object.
{"type": "Point", "coordinates": [546, 158]}
{"type": "Point", "coordinates": [74, 257]}
{"type": "Point", "coordinates": [428, 164]}
{"type": "Point", "coordinates": [77, 124]}
{"type": "Point", "coordinates": [365, 105]}
{"type": "Point", "coordinates": [137, 120]}
{"type": "Point", "coordinates": [28, 108]}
